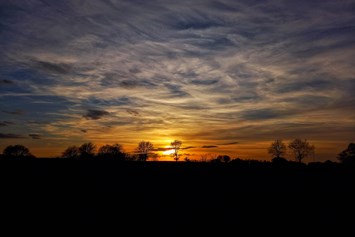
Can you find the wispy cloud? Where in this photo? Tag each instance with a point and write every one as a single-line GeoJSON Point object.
{"type": "Point", "coordinates": [15, 112]}
{"type": "Point", "coordinates": [241, 69]}
{"type": "Point", "coordinates": [10, 136]}
{"type": "Point", "coordinates": [230, 143]}
{"type": "Point", "coordinates": [212, 146]}
{"type": "Point", "coordinates": [6, 123]}
{"type": "Point", "coordinates": [5, 82]}
{"type": "Point", "coordinates": [95, 114]}
{"type": "Point", "coordinates": [35, 136]}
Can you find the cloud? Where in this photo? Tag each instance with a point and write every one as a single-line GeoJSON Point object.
{"type": "Point", "coordinates": [132, 112]}
{"type": "Point", "coordinates": [14, 112]}
{"type": "Point", "coordinates": [6, 123]}
{"type": "Point", "coordinates": [11, 136]}
{"type": "Point", "coordinates": [315, 84]}
{"type": "Point", "coordinates": [5, 82]}
{"type": "Point", "coordinates": [239, 68]}
{"type": "Point", "coordinates": [162, 149]}
{"type": "Point", "coordinates": [230, 143]}
{"type": "Point", "coordinates": [57, 68]}
{"type": "Point", "coordinates": [212, 146]}
{"type": "Point", "coordinates": [188, 147]}
{"type": "Point", "coordinates": [264, 114]}
{"type": "Point", "coordinates": [83, 130]}
{"type": "Point", "coordinates": [35, 136]}
{"type": "Point", "coordinates": [95, 114]}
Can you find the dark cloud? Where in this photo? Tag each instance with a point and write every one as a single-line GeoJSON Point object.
{"type": "Point", "coordinates": [162, 149]}
{"type": "Point", "coordinates": [176, 90]}
{"type": "Point", "coordinates": [95, 114]}
{"type": "Point", "coordinates": [121, 101]}
{"type": "Point", "coordinates": [5, 82]}
{"type": "Point", "coordinates": [14, 112]}
{"type": "Point", "coordinates": [35, 136]}
{"type": "Point", "coordinates": [45, 107]}
{"type": "Point", "coordinates": [313, 85]}
{"type": "Point", "coordinates": [224, 6]}
{"type": "Point", "coordinates": [83, 130]}
{"type": "Point", "coordinates": [10, 136]}
{"type": "Point", "coordinates": [27, 76]}
{"type": "Point", "coordinates": [132, 112]}
{"type": "Point", "coordinates": [264, 114]}
{"type": "Point", "coordinates": [230, 143]}
{"type": "Point", "coordinates": [35, 122]}
{"type": "Point", "coordinates": [188, 147]}
{"type": "Point", "coordinates": [307, 102]}
{"type": "Point", "coordinates": [195, 23]}
{"type": "Point", "coordinates": [204, 82]}
{"type": "Point", "coordinates": [127, 80]}
{"type": "Point", "coordinates": [57, 68]}
{"type": "Point", "coordinates": [212, 146]}
{"type": "Point", "coordinates": [6, 123]}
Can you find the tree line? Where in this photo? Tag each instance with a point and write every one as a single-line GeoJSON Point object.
{"type": "Point", "coordinates": [300, 149]}
{"type": "Point", "coordinates": [142, 152]}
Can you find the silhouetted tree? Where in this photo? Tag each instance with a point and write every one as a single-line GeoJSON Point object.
{"type": "Point", "coordinates": [71, 152]}
{"type": "Point", "coordinates": [220, 159]}
{"type": "Point", "coordinates": [210, 157]}
{"type": "Point", "coordinates": [348, 155]}
{"type": "Point", "coordinates": [87, 150]}
{"type": "Point", "coordinates": [226, 158]}
{"type": "Point", "coordinates": [301, 149]}
{"type": "Point", "coordinates": [143, 149]}
{"type": "Point", "coordinates": [176, 146]}
{"type": "Point", "coordinates": [17, 151]}
{"type": "Point", "coordinates": [277, 149]}
{"type": "Point", "coordinates": [111, 151]}
{"type": "Point", "coordinates": [204, 157]}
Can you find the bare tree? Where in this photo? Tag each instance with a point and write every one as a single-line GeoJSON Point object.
{"type": "Point", "coordinates": [17, 151]}
{"type": "Point", "coordinates": [204, 157]}
{"type": "Point", "coordinates": [71, 152]}
{"type": "Point", "coordinates": [176, 146]}
{"type": "Point", "coordinates": [277, 149]}
{"type": "Point", "coordinates": [301, 149]}
{"type": "Point", "coordinates": [111, 151]}
{"type": "Point", "coordinates": [87, 150]}
{"type": "Point", "coordinates": [143, 149]}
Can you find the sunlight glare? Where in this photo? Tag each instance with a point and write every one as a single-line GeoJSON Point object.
{"type": "Point", "coordinates": [168, 152]}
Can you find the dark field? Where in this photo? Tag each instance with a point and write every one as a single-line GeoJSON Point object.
{"type": "Point", "coordinates": [176, 199]}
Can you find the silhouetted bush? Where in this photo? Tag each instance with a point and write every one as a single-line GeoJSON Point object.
{"type": "Point", "coordinates": [348, 155]}
{"type": "Point", "coordinates": [17, 151]}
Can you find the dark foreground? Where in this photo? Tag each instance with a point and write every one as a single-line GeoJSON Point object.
{"type": "Point", "coordinates": [175, 199]}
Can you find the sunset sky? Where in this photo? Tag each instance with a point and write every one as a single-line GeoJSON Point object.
{"type": "Point", "coordinates": [222, 76]}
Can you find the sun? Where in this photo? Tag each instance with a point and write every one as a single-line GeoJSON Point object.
{"type": "Point", "coordinates": [168, 152]}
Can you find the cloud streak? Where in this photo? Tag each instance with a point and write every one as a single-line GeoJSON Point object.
{"type": "Point", "coordinates": [95, 114]}
{"type": "Point", "coordinates": [6, 123]}
{"type": "Point", "coordinates": [35, 136]}
{"type": "Point", "coordinates": [10, 136]}
{"type": "Point", "coordinates": [164, 69]}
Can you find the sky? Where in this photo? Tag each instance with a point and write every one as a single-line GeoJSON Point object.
{"type": "Point", "coordinates": [223, 76]}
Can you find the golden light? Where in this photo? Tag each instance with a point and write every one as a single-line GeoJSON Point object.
{"type": "Point", "coordinates": [168, 152]}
